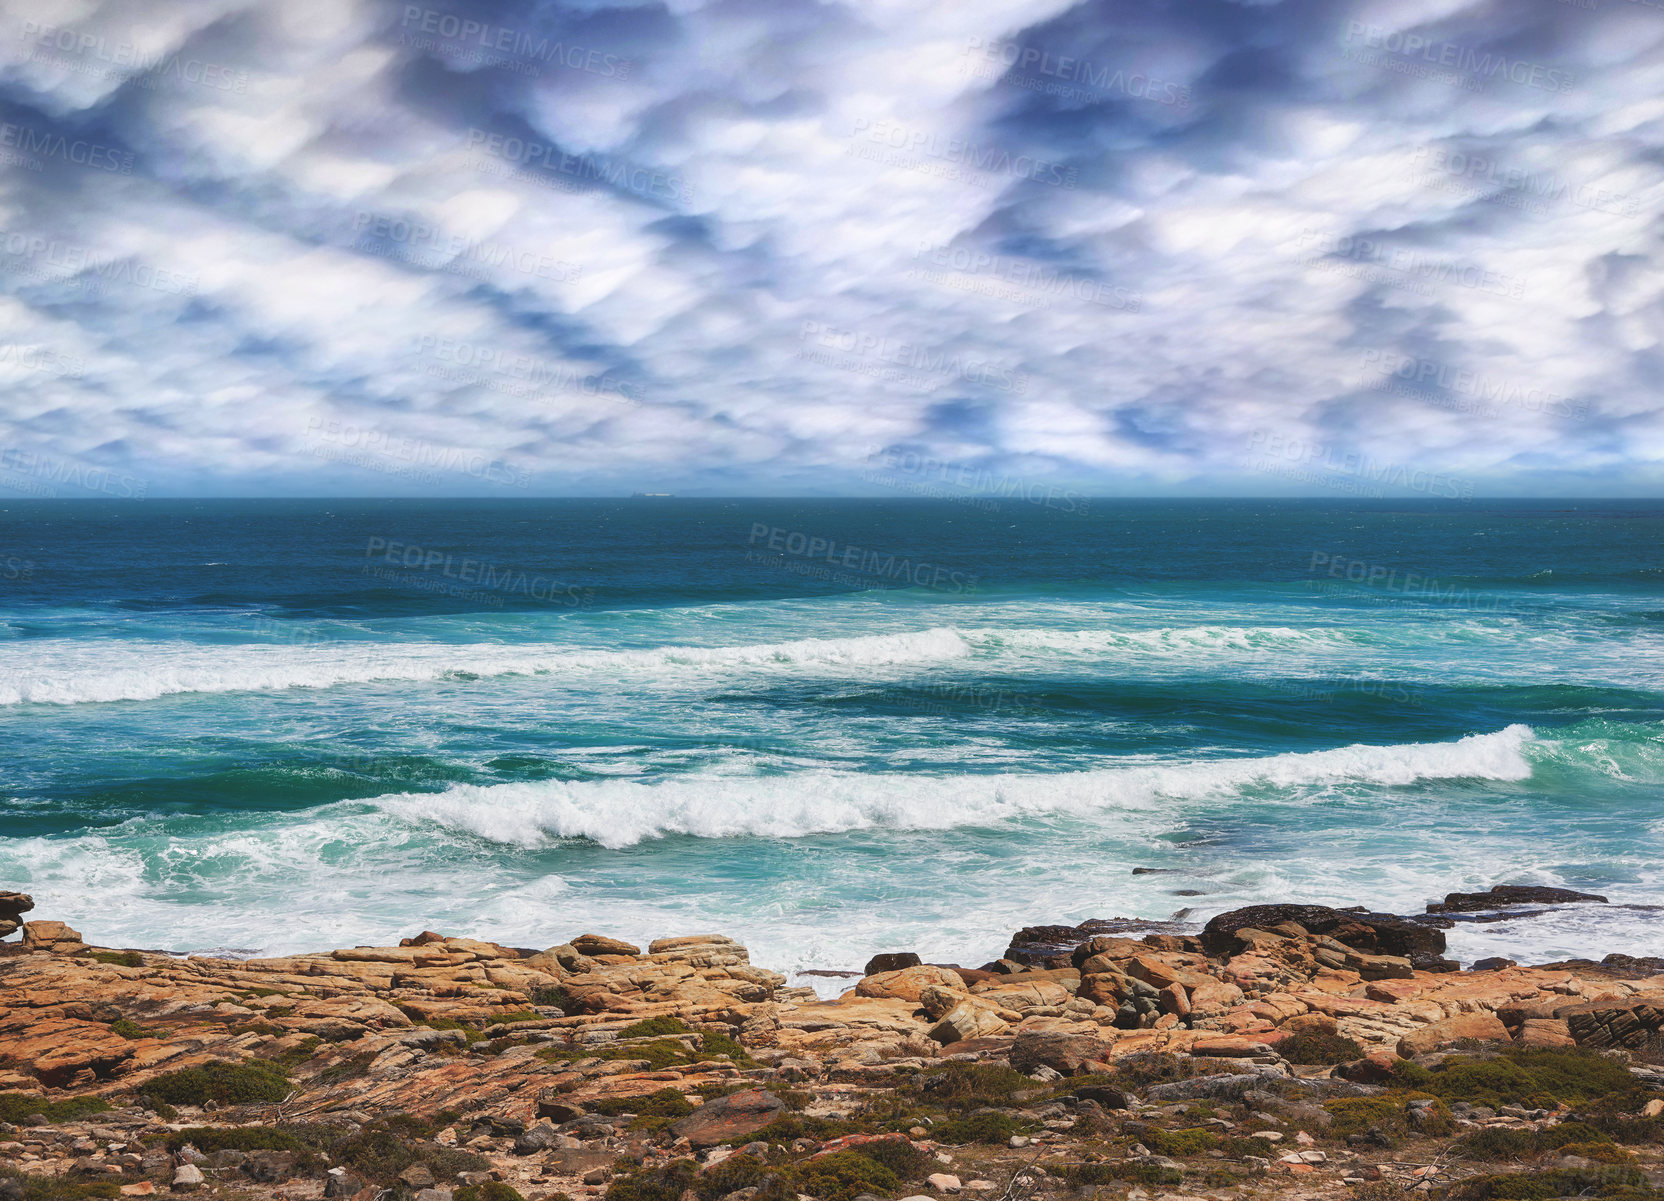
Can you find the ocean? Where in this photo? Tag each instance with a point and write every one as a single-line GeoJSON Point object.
{"type": "Point", "coordinates": [826, 728]}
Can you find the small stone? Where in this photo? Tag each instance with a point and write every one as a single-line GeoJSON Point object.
{"type": "Point", "coordinates": [187, 1178]}
{"type": "Point", "coordinates": [597, 1175]}
{"type": "Point", "coordinates": [943, 1183]}
{"type": "Point", "coordinates": [1304, 1139]}
{"type": "Point", "coordinates": [416, 1177]}
{"type": "Point", "coordinates": [143, 1188]}
{"type": "Point", "coordinates": [1270, 1136]}
{"type": "Point", "coordinates": [1653, 1108]}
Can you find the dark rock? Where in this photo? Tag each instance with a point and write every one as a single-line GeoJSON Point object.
{"type": "Point", "coordinates": [1067, 1054]}
{"type": "Point", "coordinates": [15, 904]}
{"type": "Point", "coordinates": [269, 1167]}
{"type": "Point", "coordinates": [536, 1138]}
{"type": "Point", "coordinates": [1051, 946]}
{"type": "Point", "coordinates": [1510, 894]}
{"type": "Point", "coordinates": [1636, 966]}
{"type": "Point", "coordinates": [1494, 964]}
{"type": "Point", "coordinates": [970, 975]}
{"type": "Point", "coordinates": [341, 1183]}
{"type": "Point", "coordinates": [11, 1189]}
{"type": "Point", "coordinates": [890, 961]}
{"type": "Point", "coordinates": [552, 1105]}
{"type": "Point", "coordinates": [1371, 933]}
{"type": "Point", "coordinates": [1204, 1086]}
{"type": "Point", "coordinates": [227, 1158]}
{"type": "Point", "coordinates": [728, 1119]}
{"type": "Point", "coordinates": [1102, 1094]}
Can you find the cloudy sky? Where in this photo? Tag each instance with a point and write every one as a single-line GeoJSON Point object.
{"type": "Point", "coordinates": [1325, 247]}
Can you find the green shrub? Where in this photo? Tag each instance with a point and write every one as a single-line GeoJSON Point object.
{"type": "Point", "coordinates": [17, 1108]}
{"type": "Point", "coordinates": [659, 1055]}
{"type": "Point", "coordinates": [842, 1176]}
{"type": "Point", "coordinates": [131, 1029]}
{"type": "Point", "coordinates": [992, 1128]}
{"type": "Point", "coordinates": [1540, 1077]}
{"type": "Point", "coordinates": [1312, 1047]}
{"type": "Point", "coordinates": [1176, 1144]}
{"type": "Point", "coordinates": [966, 1086]}
{"type": "Point", "coordinates": [654, 1184]}
{"type": "Point", "coordinates": [720, 1044]}
{"type": "Point", "coordinates": [1498, 1143]}
{"type": "Point", "coordinates": [1389, 1114]}
{"type": "Point", "coordinates": [222, 1083]}
{"type": "Point", "coordinates": [902, 1158]}
{"type": "Point", "coordinates": [657, 1111]}
{"type": "Point", "coordinates": [119, 958]}
{"type": "Point", "coordinates": [380, 1152]}
{"type": "Point", "coordinates": [654, 1027]}
{"type": "Point", "coordinates": [1088, 1175]}
{"type": "Point", "coordinates": [1557, 1182]}
{"type": "Point", "coordinates": [209, 1139]}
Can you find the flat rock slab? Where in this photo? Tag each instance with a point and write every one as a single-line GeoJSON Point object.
{"type": "Point", "coordinates": [728, 1119]}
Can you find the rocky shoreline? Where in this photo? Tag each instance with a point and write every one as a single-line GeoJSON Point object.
{"type": "Point", "coordinates": [1283, 1049]}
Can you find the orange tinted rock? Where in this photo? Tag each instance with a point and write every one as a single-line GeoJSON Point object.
{"type": "Point", "coordinates": [1486, 1027]}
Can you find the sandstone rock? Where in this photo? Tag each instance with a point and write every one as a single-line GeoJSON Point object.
{"type": "Point", "coordinates": [1653, 1108]}
{"type": "Point", "coordinates": [1635, 1023]}
{"type": "Point", "coordinates": [890, 961]}
{"type": "Point", "coordinates": [1485, 1026]}
{"type": "Point", "coordinates": [1374, 1068]}
{"type": "Point", "coordinates": [1509, 894]}
{"type": "Point", "coordinates": [943, 1183]}
{"type": "Point", "coordinates": [1494, 964]}
{"type": "Point", "coordinates": [575, 1162]}
{"type": "Point", "coordinates": [50, 936]}
{"type": "Point", "coordinates": [970, 1019]}
{"type": "Point", "coordinates": [727, 1119]}
{"type": "Point", "coordinates": [416, 1176]}
{"type": "Point", "coordinates": [1545, 1032]}
{"type": "Point", "coordinates": [1068, 1054]}
{"type": "Point", "coordinates": [598, 944]}
{"type": "Point", "coordinates": [187, 1178]}
{"type": "Point", "coordinates": [908, 983]}
{"type": "Point", "coordinates": [1104, 1095]}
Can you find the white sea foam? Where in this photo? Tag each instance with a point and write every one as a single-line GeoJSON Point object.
{"type": "Point", "coordinates": [620, 813]}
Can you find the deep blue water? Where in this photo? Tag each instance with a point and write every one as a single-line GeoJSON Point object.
{"type": "Point", "coordinates": [824, 727]}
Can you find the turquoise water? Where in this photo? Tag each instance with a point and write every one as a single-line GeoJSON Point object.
{"type": "Point", "coordinates": [826, 728]}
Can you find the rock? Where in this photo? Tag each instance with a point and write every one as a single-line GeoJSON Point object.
{"type": "Point", "coordinates": [338, 1182]}
{"type": "Point", "coordinates": [1053, 946]}
{"type": "Point", "coordinates": [1510, 894]}
{"type": "Point", "coordinates": [187, 1178]}
{"type": "Point", "coordinates": [143, 1188]}
{"type": "Point", "coordinates": [1204, 1086]}
{"type": "Point", "coordinates": [970, 1019]}
{"type": "Point", "coordinates": [1634, 1023]}
{"type": "Point", "coordinates": [597, 944]}
{"type": "Point", "coordinates": [1068, 1054]}
{"type": "Point", "coordinates": [575, 1162]}
{"type": "Point", "coordinates": [1545, 1032]}
{"type": "Point", "coordinates": [1104, 1095]}
{"type": "Point", "coordinates": [433, 1194]}
{"type": "Point", "coordinates": [15, 904]}
{"type": "Point", "coordinates": [1374, 1068]}
{"type": "Point", "coordinates": [416, 1176]}
{"type": "Point", "coordinates": [942, 1182]}
{"type": "Point", "coordinates": [890, 961]}
{"type": "Point", "coordinates": [553, 1105]}
{"type": "Point", "coordinates": [1653, 1108]}
{"type": "Point", "coordinates": [539, 1137]}
{"type": "Point", "coordinates": [1494, 964]}
{"type": "Point", "coordinates": [1484, 1026]}
{"type": "Point", "coordinates": [269, 1167]}
{"type": "Point", "coordinates": [906, 984]}
{"type": "Point", "coordinates": [1370, 933]}
{"type": "Point", "coordinates": [727, 1119]}
{"type": "Point", "coordinates": [50, 936]}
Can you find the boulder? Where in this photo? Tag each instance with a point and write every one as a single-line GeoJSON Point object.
{"type": "Point", "coordinates": [15, 904]}
{"type": "Point", "coordinates": [1370, 933]}
{"type": "Point", "coordinates": [1510, 894]}
{"type": "Point", "coordinates": [909, 983]}
{"type": "Point", "coordinates": [728, 1119]}
{"type": "Point", "coordinates": [1053, 946]}
{"type": "Point", "coordinates": [1486, 1027]}
{"type": "Point", "coordinates": [1635, 1023]}
{"type": "Point", "coordinates": [971, 1018]}
{"type": "Point", "coordinates": [51, 936]}
{"type": "Point", "coordinates": [599, 944]}
{"type": "Point", "coordinates": [890, 961]}
{"type": "Point", "coordinates": [1068, 1054]}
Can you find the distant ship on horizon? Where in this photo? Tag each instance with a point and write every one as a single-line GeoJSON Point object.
{"type": "Point", "coordinates": [657, 494]}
